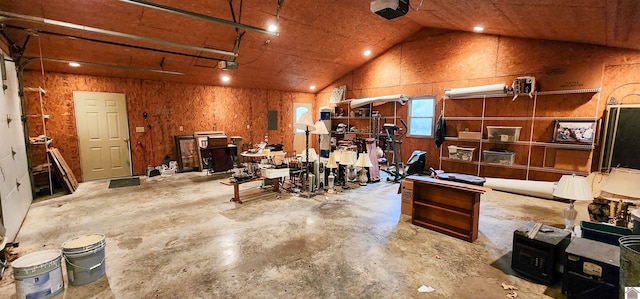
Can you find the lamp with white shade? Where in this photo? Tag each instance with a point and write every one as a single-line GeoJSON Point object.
{"type": "Point", "coordinates": [363, 162]}
{"type": "Point", "coordinates": [331, 165]}
{"type": "Point", "coordinates": [572, 187]}
{"type": "Point", "coordinates": [622, 183]}
{"type": "Point", "coordinates": [346, 159]}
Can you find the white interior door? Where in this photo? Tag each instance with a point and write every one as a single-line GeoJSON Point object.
{"type": "Point", "coordinates": [299, 140]}
{"type": "Point", "coordinates": [103, 133]}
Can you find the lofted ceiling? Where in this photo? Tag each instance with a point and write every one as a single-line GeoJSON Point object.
{"type": "Point", "coordinates": [319, 41]}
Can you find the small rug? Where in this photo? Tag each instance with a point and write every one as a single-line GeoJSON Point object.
{"type": "Point", "coordinates": [117, 183]}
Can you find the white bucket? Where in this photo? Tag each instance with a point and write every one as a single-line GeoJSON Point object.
{"type": "Point", "coordinates": [84, 257]}
{"type": "Point", "coordinates": [38, 275]}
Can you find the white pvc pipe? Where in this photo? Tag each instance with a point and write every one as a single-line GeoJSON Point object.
{"type": "Point", "coordinates": [530, 188]}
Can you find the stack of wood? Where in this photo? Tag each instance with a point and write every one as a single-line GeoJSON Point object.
{"type": "Point", "coordinates": [63, 171]}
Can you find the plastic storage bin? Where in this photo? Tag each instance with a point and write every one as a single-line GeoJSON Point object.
{"type": "Point", "coordinates": [495, 156]}
{"type": "Point", "coordinates": [461, 153]}
{"type": "Point", "coordinates": [503, 134]}
{"type": "Point", "coordinates": [603, 232]}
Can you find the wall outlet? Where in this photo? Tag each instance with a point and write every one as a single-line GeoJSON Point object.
{"type": "Point", "coordinates": [140, 129]}
{"type": "Point", "coordinates": [181, 128]}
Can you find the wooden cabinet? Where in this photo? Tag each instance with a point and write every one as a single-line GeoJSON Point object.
{"type": "Point", "coordinates": [448, 207]}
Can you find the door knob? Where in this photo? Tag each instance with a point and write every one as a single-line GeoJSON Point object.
{"type": "Point", "coordinates": [125, 139]}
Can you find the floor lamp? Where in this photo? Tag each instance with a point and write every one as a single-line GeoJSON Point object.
{"type": "Point", "coordinates": [572, 187]}
{"type": "Point", "coordinates": [331, 165]}
{"type": "Point", "coordinates": [305, 123]}
{"type": "Point", "coordinates": [321, 129]}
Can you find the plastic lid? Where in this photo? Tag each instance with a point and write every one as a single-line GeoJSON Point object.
{"type": "Point", "coordinates": [36, 258]}
{"type": "Point", "coordinates": [83, 241]}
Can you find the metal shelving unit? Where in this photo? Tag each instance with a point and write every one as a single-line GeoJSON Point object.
{"type": "Point", "coordinates": [529, 143]}
{"type": "Point", "coordinates": [41, 168]}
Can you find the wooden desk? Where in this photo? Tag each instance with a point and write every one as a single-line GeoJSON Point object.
{"type": "Point", "coordinates": [448, 207]}
{"type": "Point", "coordinates": [236, 188]}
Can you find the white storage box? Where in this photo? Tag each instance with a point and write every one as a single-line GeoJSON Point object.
{"type": "Point", "coordinates": [503, 134]}
{"type": "Point", "coordinates": [461, 153]}
{"type": "Point", "coordinates": [272, 173]}
{"type": "Point", "coordinates": [502, 157]}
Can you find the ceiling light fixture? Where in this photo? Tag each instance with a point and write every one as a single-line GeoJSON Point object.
{"type": "Point", "coordinates": [272, 28]}
{"type": "Point", "coordinates": [312, 87]}
{"type": "Point", "coordinates": [366, 52]}
{"type": "Point", "coordinates": [226, 78]}
{"type": "Point", "coordinates": [74, 64]}
{"type": "Point", "coordinates": [478, 28]}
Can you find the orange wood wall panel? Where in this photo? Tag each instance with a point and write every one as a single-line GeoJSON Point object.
{"type": "Point", "coordinates": [431, 61]}
{"type": "Point", "coordinates": [169, 105]}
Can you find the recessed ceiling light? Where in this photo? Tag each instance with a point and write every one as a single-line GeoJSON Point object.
{"type": "Point", "coordinates": [272, 28]}
{"type": "Point", "coordinates": [478, 28]}
{"type": "Point", "coordinates": [74, 64]}
{"type": "Point", "coordinates": [366, 52]}
{"type": "Point", "coordinates": [312, 87]}
{"type": "Point", "coordinates": [226, 78]}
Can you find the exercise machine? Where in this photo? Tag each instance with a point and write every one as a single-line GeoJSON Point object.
{"type": "Point", "coordinates": [395, 142]}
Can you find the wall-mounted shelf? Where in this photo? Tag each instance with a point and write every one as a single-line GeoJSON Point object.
{"type": "Point", "coordinates": [528, 143]}
{"type": "Point", "coordinates": [529, 95]}
{"type": "Point", "coordinates": [518, 166]}
{"type": "Point", "coordinates": [542, 155]}
{"type": "Point", "coordinates": [42, 142]}
{"type": "Point", "coordinates": [46, 143]}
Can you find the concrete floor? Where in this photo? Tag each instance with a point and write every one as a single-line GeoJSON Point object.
{"type": "Point", "coordinates": [179, 237]}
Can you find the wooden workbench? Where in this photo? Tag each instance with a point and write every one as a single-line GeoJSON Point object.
{"type": "Point", "coordinates": [236, 187]}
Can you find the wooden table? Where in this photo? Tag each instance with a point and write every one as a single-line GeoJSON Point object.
{"type": "Point", "coordinates": [236, 188]}
{"type": "Point", "coordinates": [448, 207]}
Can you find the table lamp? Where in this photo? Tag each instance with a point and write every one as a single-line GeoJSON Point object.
{"type": "Point", "coordinates": [363, 162]}
{"type": "Point", "coordinates": [346, 159]}
{"type": "Point", "coordinates": [622, 183]}
{"type": "Point", "coordinates": [572, 187]}
{"type": "Point", "coordinates": [331, 165]}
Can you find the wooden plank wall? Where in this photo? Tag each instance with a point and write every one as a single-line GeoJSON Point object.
{"type": "Point", "coordinates": [432, 60]}
{"type": "Point", "coordinates": [169, 105]}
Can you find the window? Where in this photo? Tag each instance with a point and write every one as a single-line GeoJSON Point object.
{"type": "Point", "coordinates": [299, 112]}
{"type": "Point", "coordinates": [421, 114]}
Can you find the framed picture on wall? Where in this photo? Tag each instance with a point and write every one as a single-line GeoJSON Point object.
{"type": "Point", "coordinates": [578, 131]}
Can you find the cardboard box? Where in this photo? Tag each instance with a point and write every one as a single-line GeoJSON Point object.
{"type": "Point", "coordinates": [469, 135]}
{"type": "Point", "coordinates": [406, 189]}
